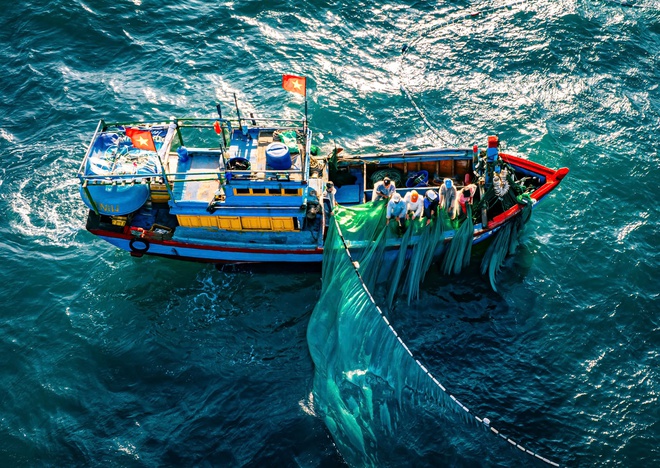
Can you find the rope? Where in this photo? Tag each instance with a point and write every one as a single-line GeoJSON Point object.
{"type": "Point", "coordinates": [407, 47]}
{"type": "Point", "coordinates": [392, 174]}
{"type": "Point", "coordinates": [423, 116]}
{"type": "Point", "coordinates": [317, 163]}
{"type": "Point", "coordinates": [485, 422]}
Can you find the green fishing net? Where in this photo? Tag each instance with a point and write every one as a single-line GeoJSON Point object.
{"type": "Point", "coordinates": [365, 377]}
{"type": "Point", "coordinates": [506, 241]}
{"type": "Point", "coordinates": [290, 139]}
{"type": "Point", "coordinates": [459, 251]}
{"type": "Point", "coordinates": [362, 371]}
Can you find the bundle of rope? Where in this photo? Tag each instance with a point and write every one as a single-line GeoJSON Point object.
{"type": "Point", "coordinates": [394, 175]}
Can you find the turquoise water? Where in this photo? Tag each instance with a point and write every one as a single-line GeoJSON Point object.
{"type": "Point", "coordinates": [116, 361]}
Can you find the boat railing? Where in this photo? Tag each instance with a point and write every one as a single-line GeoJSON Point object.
{"type": "Point", "coordinates": [410, 156]}
{"type": "Point", "coordinates": [99, 127]}
{"type": "Point", "coordinates": [197, 122]}
{"type": "Point", "coordinates": [308, 149]}
{"type": "Point", "coordinates": [180, 177]}
{"type": "Point", "coordinates": [170, 179]}
{"type": "Point", "coordinates": [105, 127]}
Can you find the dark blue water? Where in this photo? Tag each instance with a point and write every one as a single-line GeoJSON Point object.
{"type": "Point", "coordinates": [115, 361]}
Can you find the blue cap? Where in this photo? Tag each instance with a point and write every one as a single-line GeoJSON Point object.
{"type": "Point", "coordinates": [448, 183]}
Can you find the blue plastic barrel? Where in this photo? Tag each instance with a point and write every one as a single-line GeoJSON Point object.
{"type": "Point", "coordinates": [116, 200]}
{"type": "Point", "coordinates": [278, 156]}
{"type": "Point", "coordinates": [183, 154]}
{"type": "Point", "coordinates": [491, 155]}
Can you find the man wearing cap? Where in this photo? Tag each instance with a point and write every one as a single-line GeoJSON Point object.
{"type": "Point", "coordinates": [414, 205]}
{"type": "Point", "coordinates": [449, 198]}
{"type": "Point", "coordinates": [430, 205]}
{"type": "Point", "coordinates": [396, 208]}
{"type": "Point", "coordinates": [383, 190]}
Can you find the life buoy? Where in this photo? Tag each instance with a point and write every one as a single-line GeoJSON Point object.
{"type": "Point", "coordinates": [139, 245]}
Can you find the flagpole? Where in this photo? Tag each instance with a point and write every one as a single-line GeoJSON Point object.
{"type": "Point", "coordinates": [305, 116]}
{"type": "Point", "coordinates": [305, 127]}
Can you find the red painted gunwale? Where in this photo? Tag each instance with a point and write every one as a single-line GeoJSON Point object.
{"type": "Point", "coordinates": [552, 179]}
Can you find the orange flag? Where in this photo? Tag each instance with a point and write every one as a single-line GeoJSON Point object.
{"type": "Point", "coordinates": [295, 84]}
{"type": "Point", "coordinates": [142, 139]}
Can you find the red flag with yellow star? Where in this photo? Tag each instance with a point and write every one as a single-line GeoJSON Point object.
{"type": "Point", "coordinates": [295, 84]}
{"type": "Point", "coordinates": [142, 139]}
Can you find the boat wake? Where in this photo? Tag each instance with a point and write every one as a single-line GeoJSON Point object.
{"type": "Point", "coordinates": [40, 201]}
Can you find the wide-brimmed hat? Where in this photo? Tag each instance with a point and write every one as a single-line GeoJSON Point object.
{"type": "Point", "coordinates": [431, 195]}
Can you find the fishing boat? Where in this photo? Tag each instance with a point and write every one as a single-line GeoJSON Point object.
{"type": "Point", "coordinates": [253, 190]}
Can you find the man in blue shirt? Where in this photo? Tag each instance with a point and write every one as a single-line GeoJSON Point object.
{"type": "Point", "coordinates": [383, 190]}
{"type": "Point", "coordinates": [430, 205]}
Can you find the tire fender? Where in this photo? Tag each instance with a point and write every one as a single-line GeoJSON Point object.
{"type": "Point", "coordinates": [139, 246]}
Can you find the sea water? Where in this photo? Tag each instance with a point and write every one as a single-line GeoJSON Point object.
{"type": "Point", "coordinates": [115, 361]}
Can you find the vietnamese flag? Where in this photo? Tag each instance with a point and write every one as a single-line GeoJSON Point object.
{"type": "Point", "coordinates": [142, 139]}
{"type": "Point", "coordinates": [295, 84]}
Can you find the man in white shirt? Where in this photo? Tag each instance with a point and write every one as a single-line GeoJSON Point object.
{"type": "Point", "coordinates": [414, 205]}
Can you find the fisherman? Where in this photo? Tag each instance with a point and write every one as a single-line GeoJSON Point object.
{"type": "Point", "coordinates": [430, 205]}
{"type": "Point", "coordinates": [396, 208]}
{"type": "Point", "coordinates": [383, 190]}
{"type": "Point", "coordinates": [467, 196]}
{"type": "Point", "coordinates": [500, 181]}
{"type": "Point", "coordinates": [414, 205]}
{"type": "Point", "coordinates": [329, 196]}
{"type": "Point", "coordinates": [492, 157]}
{"type": "Point", "coordinates": [449, 198]}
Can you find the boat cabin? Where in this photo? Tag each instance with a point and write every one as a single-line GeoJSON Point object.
{"type": "Point", "coordinates": [207, 176]}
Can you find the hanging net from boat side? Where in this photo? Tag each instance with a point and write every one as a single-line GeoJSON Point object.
{"type": "Point", "coordinates": [427, 246]}
{"type": "Point", "coordinates": [459, 251]}
{"type": "Point", "coordinates": [367, 382]}
{"type": "Point", "coordinates": [385, 252]}
{"type": "Point", "coordinates": [506, 241]}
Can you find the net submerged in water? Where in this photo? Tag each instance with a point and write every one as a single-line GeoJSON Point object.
{"type": "Point", "coordinates": [365, 375]}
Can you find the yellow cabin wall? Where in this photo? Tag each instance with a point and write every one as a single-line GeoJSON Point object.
{"type": "Point", "coordinates": [236, 223]}
{"type": "Point", "coordinates": [267, 192]}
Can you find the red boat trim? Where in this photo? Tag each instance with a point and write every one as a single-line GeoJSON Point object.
{"type": "Point", "coordinates": [101, 232]}
{"type": "Point", "coordinates": [552, 179]}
